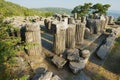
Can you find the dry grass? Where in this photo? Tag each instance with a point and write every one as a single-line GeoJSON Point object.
{"type": "Point", "coordinates": [113, 61]}
{"type": "Point", "coordinates": [111, 68]}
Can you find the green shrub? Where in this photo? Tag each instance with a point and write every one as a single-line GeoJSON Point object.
{"type": "Point", "coordinates": [118, 19]}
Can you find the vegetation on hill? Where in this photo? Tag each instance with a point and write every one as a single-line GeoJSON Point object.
{"type": "Point", "coordinates": [118, 19]}
{"type": "Point", "coordinates": [10, 9]}
{"type": "Point", "coordinates": [10, 45]}
{"type": "Point", "coordinates": [56, 10]}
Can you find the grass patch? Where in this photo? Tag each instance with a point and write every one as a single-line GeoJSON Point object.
{"type": "Point", "coordinates": [113, 61]}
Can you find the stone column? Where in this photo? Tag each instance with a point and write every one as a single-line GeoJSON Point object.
{"type": "Point", "coordinates": [87, 33]}
{"type": "Point", "coordinates": [33, 37]}
{"type": "Point", "coordinates": [86, 55]}
{"type": "Point", "coordinates": [59, 38]}
{"type": "Point", "coordinates": [111, 20]}
{"type": "Point", "coordinates": [75, 15]}
{"type": "Point", "coordinates": [83, 19]}
{"type": "Point", "coordinates": [46, 23]}
{"type": "Point", "coordinates": [70, 36]}
{"type": "Point", "coordinates": [79, 35]}
{"type": "Point", "coordinates": [65, 21]}
{"type": "Point", "coordinates": [94, 25]}
{"type": "Point", "coordinates": [103, 20]}
{"type": "Point", "coordinates": [97, 26]}
{"type": "Point", "coordinates": [71, 20]}
{"type": "Point", "coordinates": [106, 21]}
{"type": "Point", "coordinates": [49, 24]}
{"type": "Point", "coordinates": [34, 47]}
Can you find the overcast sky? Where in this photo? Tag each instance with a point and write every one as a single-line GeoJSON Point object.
{"type": "Point", "coordinates": [115, 4]}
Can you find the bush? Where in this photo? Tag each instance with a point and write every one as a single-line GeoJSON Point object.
{"type": "Point", "coordinates": [118, 19]}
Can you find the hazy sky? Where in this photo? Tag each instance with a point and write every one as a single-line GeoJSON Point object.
{"type": "Point", "coordinates": [115, 4]}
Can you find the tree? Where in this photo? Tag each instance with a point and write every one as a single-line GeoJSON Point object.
{"type": "Point", "coordinates": [118, 19]}
{"type": "Point", "coordinates": [82, 10]}
{"type": "Point", "coordinates": [100, 9]}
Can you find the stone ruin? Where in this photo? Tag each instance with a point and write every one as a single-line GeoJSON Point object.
{"type": "Point", "coordinates": [67, 33]}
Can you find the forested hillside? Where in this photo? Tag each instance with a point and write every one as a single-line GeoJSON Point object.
{"type": "Point", "coordinates": [56, 10]}
{"type": "Point", "coordinates": [11, 9]}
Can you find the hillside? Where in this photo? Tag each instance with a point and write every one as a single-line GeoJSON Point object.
{"type": "Point", "coordinates": [56, 10]}
{"type": "Point", "coordinates": [11, 9]}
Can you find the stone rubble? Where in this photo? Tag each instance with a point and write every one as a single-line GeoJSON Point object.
{"type": "Point", "coordinates": [59, 61]}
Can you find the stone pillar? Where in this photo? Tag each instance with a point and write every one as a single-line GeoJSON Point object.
{"type": "Point", "coordinates": [49, 24]}
{"type": "Point", "coordinates": [34, 48]}
{"type": "Point", "coordinates": [71, 20]}
{"type": "Point", "coordinates": [59, 18]}
{"type": "Point", "coordinates": [65, 21]}
{"type": "Point", "coordinates": [94, 25]}
{"type": "Point", "coordinates": [79, 35]}
{"type": "Point", "coordinates": [59, 38]}
{"type": "Point", "coordinates": [75, 15]}
{"type": "Point", "coordinates": [86, 55]}
{"type": "Point", "coordinates": [46, 23]}
{"type": "Point", "coordinates": [83, 19]}
{"type": "Point", "coordinates": [70, 36]}
{"type": "Point", "coordinates": [111, 20]}
{"type": "Point", "coordinates": [87, 33]}
{"type": "Point", "coordinates": [33, 37]}
{"type": "Point", "coordinates": [97, 26]}
{"type": "Point", "coordinates": [106, 21]}
{"type": "Point", "coordinates": [103, 20]}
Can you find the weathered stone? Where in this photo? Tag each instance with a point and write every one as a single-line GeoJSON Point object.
{"type": "Point", "coordinates": [55, 77]}
{"type": "Point", "coordinates": [38, 73]}
{"type": "Point", "coordinates": [46, 23]}
{"type": "Point", "coordinates": [101, 53]}
{"type": "Point", "coordinates": [79, 35]}
{"type": "Point", "coordinates": [46, 76]}
{"type": "Point", "coordinates": [59, 61]}
{"type": "Point", "coordinates": [71, 20]}
{"type": "Point", "coordinates": [77, 66]}
{"type": "Point", "coordinates": [70, 36]}
{"type": "Point", "coordinates": [94, 25]}
{"type": "Point", "coordinates": [111, 20]}
{"type": "Point", "coordinates": [103, 22]}
{"type": "Point", "coordinates": [85, 54]}
{"type": "Point", "coordinates": [65, 21]}
{"type": "Point", "coordinates": [87, 33]}
{"type": "Point", "coordinates": [59, 39]}
{"type": "Point", "coordinates": [110, 41]}
{"type": "Point", "coordinates": [73, 55]}
{"type": "Point", "coordinates": [49, 24]}
{"type": "Point", "coordinates": [33, 37]}
{"type": "Point", "coordinates": [106, 21]}
{"type": "Point", "coordinates": [75, 15]}
{"type": "Point", "coordinates": [83, 19]}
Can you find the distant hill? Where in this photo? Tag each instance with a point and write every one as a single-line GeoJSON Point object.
{"type": "Point", "coordinates": [11, 9]}
{"type": "Point", "coordinates": [114, 13]}
{"type": "Point", "coordinates": [56, 10]}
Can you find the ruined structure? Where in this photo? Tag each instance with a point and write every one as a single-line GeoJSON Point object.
{"type": "Point", "coordinates": [70, 39]}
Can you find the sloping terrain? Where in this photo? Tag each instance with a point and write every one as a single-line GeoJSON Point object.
{"type": "Point", "coordinates": [11, 9]}
{"type": "Point", "coordinates": [56, 10]}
